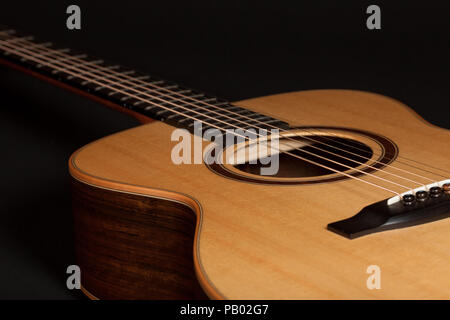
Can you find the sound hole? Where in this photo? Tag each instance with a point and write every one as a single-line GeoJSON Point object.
{"type": "Point", "coordinates": [333, 152]}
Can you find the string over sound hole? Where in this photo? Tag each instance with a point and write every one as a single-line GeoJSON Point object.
{"type": "Point", "coordinates": [329, 151]}
{"type": "Point", "coordinates": [314, 155]}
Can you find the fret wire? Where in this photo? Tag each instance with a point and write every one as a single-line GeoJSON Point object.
{"type": "Point", "coordinates": [266, 123]}
{"type": "Point", "coordinates": [82, 65]}
{"type": "Point", "coordinates": [250, 118]}
{"type": "Point", "coordinates": [12, 31]}
{"type": "Point", "coordinates": [229, 124]}
{"type": "Point", "coordinates": [169, 97]}
{"type": "Point", "coordinates": [330, 139]}
{"type": "Point", "coordinates": [108, 76]}
{"type": "Point", "coordinates": [58, 59]}
{"type": "Point", "coordinates": [62, 59]}
{"type": "Point", "coordinates": [108, 86]}
{"type": "Point", "coordinates": [138, 78]}
{"type": "Point", "coordinates": [209, 99]}
{"type": "Point", "coordinates": [112, 67]}
{"type": "Point", "coordinates": [243, 111]}
{"type": "Point", "coordinates": [76, 65]}
{"type": "Point", "coordinates": [343, 173]}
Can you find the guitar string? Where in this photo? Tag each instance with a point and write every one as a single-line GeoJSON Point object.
{"type": "Point", "coordinates": [20, 54]}
{"type": "Point", "coordinates": [316, 155]}
{"type": "Point", "coordinates": [303, 129]}
{"type": "Point", "coordinates": [241, 121]}
{"type": "Point", "coordinates": [125, 75]}
{"type": "Point", "coordinates": [253, 119]}
{"type": "Point", "coordinates": [327, 159]}
{"type": "Point", "coordinates": [84, 65]}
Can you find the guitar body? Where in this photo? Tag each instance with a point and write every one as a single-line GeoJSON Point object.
{"type": "Point", "coordinates": [148, 228]}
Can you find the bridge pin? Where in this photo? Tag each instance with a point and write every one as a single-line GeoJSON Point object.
{"type": "Point", "coordinates": [435, 192]}
{"type": "Point", "coordinates": [421, 195]}
{"type": "Point", "coordinates": [446, 187]}
{"type": "Point", "coordinates": [408, 198]}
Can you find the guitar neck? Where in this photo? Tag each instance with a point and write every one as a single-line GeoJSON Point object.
{"type": "Point", "coordinates": [126, 89]}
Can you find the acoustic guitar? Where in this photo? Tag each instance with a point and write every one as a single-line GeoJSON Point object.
{"type": "Point", "coordinates": [355, 210]}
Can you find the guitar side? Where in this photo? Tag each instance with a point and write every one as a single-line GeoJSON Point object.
{"type": "Point", "coordinates": [134, 245]}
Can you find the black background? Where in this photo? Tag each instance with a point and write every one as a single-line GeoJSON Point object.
{"type": "Point", "coordinates": [234, 49]}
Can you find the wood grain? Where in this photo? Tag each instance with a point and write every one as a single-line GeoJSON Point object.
{"type": "Point", "coordinates": [269, 242]}
{"type": "Point", "coordinates": [130, 246]}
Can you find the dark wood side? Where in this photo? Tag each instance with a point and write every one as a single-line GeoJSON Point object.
{"type": "Point", "coordinates": [133, 247]}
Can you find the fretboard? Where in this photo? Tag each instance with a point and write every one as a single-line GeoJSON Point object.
{"type": "Point", "coordinates": [147, 95]}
